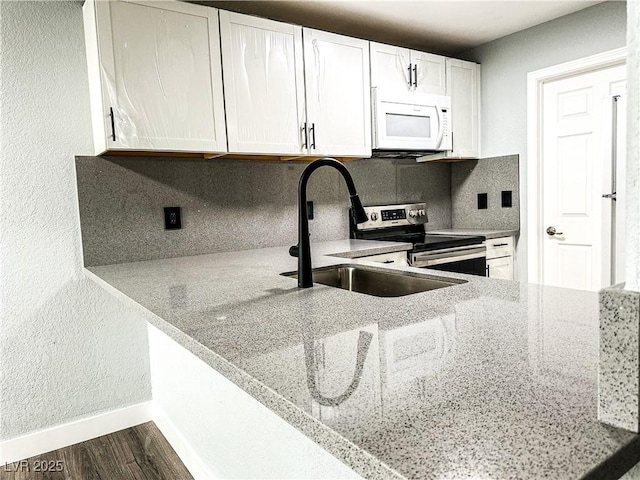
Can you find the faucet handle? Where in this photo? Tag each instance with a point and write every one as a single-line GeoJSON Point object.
{"type": "Point", "coordinates": [293, 251]}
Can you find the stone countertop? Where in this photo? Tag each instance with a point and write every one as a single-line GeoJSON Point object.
{"type": "Point", "coordinates": [358, 248]}
{"type": "Point", "coordinates": [486, 379]}
{"type": "Point", "coordinates": [488, 234]}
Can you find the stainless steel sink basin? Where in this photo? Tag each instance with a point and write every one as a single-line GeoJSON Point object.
{"type": "Point", "coordinates": [379, 282]}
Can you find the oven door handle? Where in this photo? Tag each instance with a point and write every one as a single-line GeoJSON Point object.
{"type": "Point", "coordinates": [440, 257]}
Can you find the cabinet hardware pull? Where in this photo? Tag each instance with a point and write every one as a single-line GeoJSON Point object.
{"type": "Point", "coordinates": [415, 75]}
{"type": "Point", "coordinates": [488, 271]}
{"type": "Point", "coordinates": [304, 131]}
{"type": "Point", "coordinates": [312, 130]}
{"type": "Point", "coordinates": [410, 79]}
{"type": "Point", "coordinates": [388, 261]}
{"type": "Point", "coordinates": [500, 245]}
{"type": "Point", "coordinates": [113, 124]}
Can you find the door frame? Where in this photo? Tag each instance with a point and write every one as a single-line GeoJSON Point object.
{"type": "Point", "coordinates": [535, 84]}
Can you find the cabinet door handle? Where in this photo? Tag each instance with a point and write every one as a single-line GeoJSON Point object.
{"type": "Point", "coordinates": [415, 75]}
{"type": "Point", "coordinates": [312, 131]}
{"type": "Point", "coordinates": [389, 261]}
{"type": "Point", "coordinates": [500, 245]}
{"type": "Point", "coordinates": [488, 271]}
{"type": "Point", "coordinates": [410, 79]}
{"type": "Point", "coordinates": [304, 132]}
{"type": "Point", "coordinates": [113, 124]}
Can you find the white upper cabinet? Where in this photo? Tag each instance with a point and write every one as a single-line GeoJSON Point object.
{"type": "Point", "coordinates": [428, 72]}
{"type": "Point", "coordinates": [338, 96]}
{"type": "Point", "coordinates": [390, 67]}
{"type": "Point", "coordinates": [463, 86]}
{"type": "Point", "coordinates": [263, 84]}
{"type": "Point", "coordinates": [154, 76]}
{"type": "Point", "coordinates": [401, 69]}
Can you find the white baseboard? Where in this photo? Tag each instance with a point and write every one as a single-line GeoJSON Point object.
{"type": "Point", "coordinates": [189, 457]}
{"type": "Point", "coordinates": [60, 436]}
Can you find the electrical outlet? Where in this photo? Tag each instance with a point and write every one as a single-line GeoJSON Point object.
{"type": "Point", "coordinates": [507, 199]}
{"type": "Point", "coordinates": [172, 218]}
{"type": "Point", "coordinates": [483, 201]}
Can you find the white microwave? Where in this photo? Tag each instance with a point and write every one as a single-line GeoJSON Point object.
{"type": "Point", "coordinates": [411, 121]}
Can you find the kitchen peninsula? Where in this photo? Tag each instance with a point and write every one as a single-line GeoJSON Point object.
{"type": "Point", "coordinates": [485, 379]}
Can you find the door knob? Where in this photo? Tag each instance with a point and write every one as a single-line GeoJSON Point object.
{"type": "Point", "coordinates": [551, 231]}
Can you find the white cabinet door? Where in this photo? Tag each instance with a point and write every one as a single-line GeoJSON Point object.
{"type": "Point", "coordinates": [463, 86]}
{"type": "Point", "coordinates": [263, 84]}
{"type": "Point", "coordinates": [428, 72]}
{"type": "Point", "coordinates": [155, 76]}
{"type": "Point", "coordinates": [400, 69]}
{"type": "Point", "coordinates": [338, 94]}
{"type": "Point", "coordinates": [501, 268]}
{"type": "Point", "coordinates": [390, 67]}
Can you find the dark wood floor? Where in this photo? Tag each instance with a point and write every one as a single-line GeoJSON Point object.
{"type": "Point", "coordinates": [137, 453]}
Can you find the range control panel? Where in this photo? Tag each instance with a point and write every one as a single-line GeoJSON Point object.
{"type": "Point", "coordinates": [394, 215]}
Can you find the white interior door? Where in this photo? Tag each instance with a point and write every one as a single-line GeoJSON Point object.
{"type": "Point", "coordinates": [576, 165]}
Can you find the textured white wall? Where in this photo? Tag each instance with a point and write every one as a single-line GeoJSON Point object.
{"type": "Point", "coordinates": [67, 348]}
{"type": "Point", "coordinates": [505, 64]}
{"type": "Point", "coordinates": [632, 267]}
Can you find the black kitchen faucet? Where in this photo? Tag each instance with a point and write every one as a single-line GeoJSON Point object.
{"type": "Point", "coordinates": [303, 249]}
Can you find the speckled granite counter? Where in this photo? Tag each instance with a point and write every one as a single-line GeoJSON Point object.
{"type": "Point", "coordinates": [358, 248]}
{"type": "Point", "coordinates": [485, 380]}
{"type": "Point", "coordinates": [489, 234]}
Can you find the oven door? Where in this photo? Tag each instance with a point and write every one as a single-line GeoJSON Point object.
{"type": "Point", "coordinates": [471, 260]}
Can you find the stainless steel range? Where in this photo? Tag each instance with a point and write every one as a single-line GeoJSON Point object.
{"type": "Point", "coordinates": [405, 223]}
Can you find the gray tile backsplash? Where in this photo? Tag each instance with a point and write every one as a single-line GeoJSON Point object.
{"type": "Point", "coordinates": [233, 204]}
{"type": "Point", "coordinates": [490, 176]}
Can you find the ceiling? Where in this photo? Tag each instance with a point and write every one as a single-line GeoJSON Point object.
{"type": "Point", "coordinates": [439, 26]}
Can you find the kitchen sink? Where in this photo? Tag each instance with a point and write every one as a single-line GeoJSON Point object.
{"type": "Point", "coordinates": [379, 282]}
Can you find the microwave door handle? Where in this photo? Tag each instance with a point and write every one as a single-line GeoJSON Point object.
{"type": "Point", "coordinates": [440, 127]}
